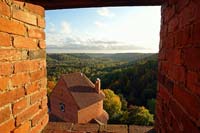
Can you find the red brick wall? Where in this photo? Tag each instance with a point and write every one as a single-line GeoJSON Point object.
{"type": "Point", "coordinates": [23, 101]}
{"type": "Point", "coordinates": [178, 99]}
{"type": "Point", "coordinates": [61, 95]}
{"type": "Point", "coordinates": [87, 114]}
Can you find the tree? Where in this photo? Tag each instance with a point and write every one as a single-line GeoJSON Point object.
{"type": "Point", "coordinates": [140, 116]}
{"type": "Point", "coordinates": [112, 103]}
{"type": "Point", "coordinates": [151, 104]}
{"type": "Point", "coordinates": [50, 86]}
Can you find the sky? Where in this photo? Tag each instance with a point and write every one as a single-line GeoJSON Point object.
{"type": "Point", "coordinates": [103, 30]}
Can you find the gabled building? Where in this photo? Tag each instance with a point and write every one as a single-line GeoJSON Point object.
{"type": "Point", "coordinates": [76, 99]}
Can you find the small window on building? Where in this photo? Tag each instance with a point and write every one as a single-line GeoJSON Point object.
{"type": "Point", "coordinates": [62, 107]}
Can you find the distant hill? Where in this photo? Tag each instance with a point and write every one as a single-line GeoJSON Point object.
{"type": "Point", "coordinates": [122, 56]}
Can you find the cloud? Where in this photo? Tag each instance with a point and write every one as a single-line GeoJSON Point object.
{"type": "Point", "coordinates": [100, 24]}
{"type": "Point", "coordinates": [65, 27]}
{"type": "Point", "coordinates": [105, 12]}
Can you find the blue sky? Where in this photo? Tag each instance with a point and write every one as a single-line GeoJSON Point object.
{"type": "Point", "coordinates": [103, 30]}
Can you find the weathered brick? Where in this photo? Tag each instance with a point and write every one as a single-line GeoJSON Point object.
{"type": "Point", "coordinates": [195, 34]}
{"type": "Point", "coordinates": [26, 66]}
{"type": "Point", "coordinates": [12, 27]}
{"type": "Point", "coordinates": [24, 128]}
{"type": "Point", "coordinates": [187, 15]}
{"type": "Point", "coordinates": [43, 82]}
{"type": "Point", "coordinates": [37, 75]}
{"type": "Point", "coordinates": [41, 22]}
{"type": "Point", "coordinates": [20, 78]}
{"type": "Point", "coordinates": [38, 116]}
{"type": "Point", "coordinates": [178, 73]}
{"type": "Point", "coordinates": [39, 10]}
{"type": "Point", "coordinates": [5, 39]}
{"type": "Point", "coordinates": [22, 42]}
{"type": "Point", "coordinates": [36, 33]}
{"type": "Point", "coordinates": [4, 9]}
{"type": "Point", "coordinates": [191, 58]}
{"type": "Point", "coordinates": [19, 4]}
{"type": "Point", "coordinates": [4, 83]}
{"type": "Point", "coordinates": [44, 103]}
{"type": "Point", "coordinates": [5, 114]}
{"type": "Point", "coordinates": [185, 98]}
{"type": "Point", "coordinates": [33, 87]}
{"type": "Point", "coordinates": [38, 96]}
{"type": "Point", "coordinates": [9, 55]}
{"type": "Point", "coordinates": [24, 16]}
{"type": "Point", "coordinates": [8, 126]}
{"type": "Point", "coordinates": [193, 82]}
{"type": "Point", "coordinates": [38, 54]}
{"type": "Point", "coordinates": [11, 96]}
{"type": "Point", "coordinates": [173, 24]}
{"type": "Point", "coordinates": [5, 69]}
{"type": "Point", "coordinates": [42, 44]}
{"type": "Point", "coordinates": [27, 114]}
{"type": "Point", "coordinates": [19, 106]}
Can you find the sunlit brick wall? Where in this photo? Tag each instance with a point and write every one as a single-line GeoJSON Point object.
{"type": "Point", "coordinates": [23, 101]}
{"type": "Point", "coordinates": [178, 100]}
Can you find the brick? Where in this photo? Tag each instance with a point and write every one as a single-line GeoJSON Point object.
{"type": "Point", "coordinates": [43, 64]}
{"type": "Point", "coordinates": [11, 96]}
{"type": "Point", "coordinates": [9, 55]}
{"type": "Point", "coordinates": [42, 44]}
{"type": "Point", "coordinates": [4, 83]}
{"type": "Point", "coordinates": [38, 117]}
{"type": "Point", "coordinates": [5, 114]}
{"type": "Point", "coordinates": [168, 14]}
{"type": "Point", "coordinates": [5, 69]}
{"type": "Point", "coordinates": [181, 4]}
{"type": "Point", "coordinates": [38, 54]}
{"type": "Point", "coordinates": [43, 83]}
{"type": "Point", "coordinates": [41, 22]}
{"type": "Point", "coordinates": [114, 128]}
{"type": "Point", "coordinates": [187, 15]}
{"type": "Point", "coordinates": [41, 125]}
{"type": "Point", "coordinates": [24, 16]}
{"type": "Point", "coordinates": [12, 27]}
{"type": "Point", "coordinates": [4, 9]}
{"type": "Point", "coordinates": [26, 66]}
{"type": "Point", "coordinates": [22, 42]}
{"type": "Point", "coordinates": [36, 33]}
{"type": "Point", "coordinates": [44, 103]}
{"type": "Point", "coordinates": [20, 79]}
{"type": "Point", "coordinates": [37, 75]}
{"type": "Point", "coordinates": [178, 73]}
{"type": "Point", "coordinates": [173, 24]}
{"type": "Point", "coordinates": [8, 126]}
{"type": "Point", "coordinates": [5, 39]}
{"type": "Point", "coordinates": [18, 4]}
{"type": "Point", "coordinates": [38, 96]}
{"type": "Point", "coordinates": [24, 128]}
{"type": "Point", "coordinates": [191, 58]}
{"type": "Point", "coordinates": [27, 114]}
{"type": "Point", "coordinates": [193, 82]}
{"type": "Point", "coordinates": [33, 87]}
{"type": "Point", "coordinates": [186, 99]}
{"type": "Point", "coordinates": [195, 34]}
{"type": "Point", "coordinates": [183, 37]}
{"type": "Point", "coordinates": [20, 106]}
{"type": "Point", "coordinates": [39, 10]}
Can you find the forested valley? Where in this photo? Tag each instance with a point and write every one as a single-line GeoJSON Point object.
{"type": "Point", "coordinates": [129, 81]}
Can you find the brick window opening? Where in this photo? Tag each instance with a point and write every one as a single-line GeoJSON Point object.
{"type": "Point", "coordinates": [62, 107]}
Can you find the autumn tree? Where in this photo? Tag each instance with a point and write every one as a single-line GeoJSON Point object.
{"type": "Point", "coordinates": [112, 103]}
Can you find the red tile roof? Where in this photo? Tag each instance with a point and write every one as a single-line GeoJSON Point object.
{"type": "Point", "coordinates": [82, 89]}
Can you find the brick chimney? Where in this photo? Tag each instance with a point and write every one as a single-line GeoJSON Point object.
{"type": "Point", "coordinates": [98, 85]}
